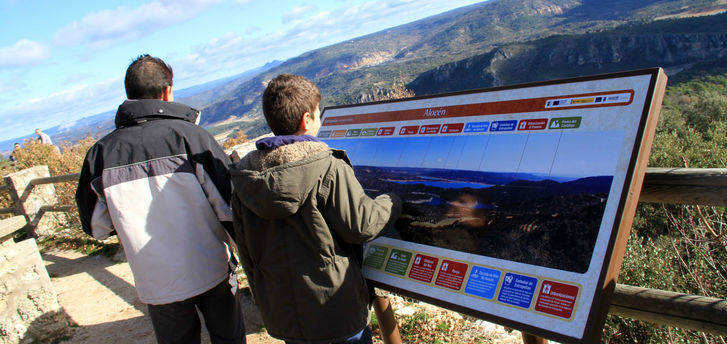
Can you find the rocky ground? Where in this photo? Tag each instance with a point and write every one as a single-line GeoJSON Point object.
{"type": "Point", "coordinates": [97, 293]}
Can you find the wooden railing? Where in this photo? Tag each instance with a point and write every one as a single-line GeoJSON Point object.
{"type": "Point", "coordinates": [9, 226]}
{"type": "Point", "coordinates": [705, 186]}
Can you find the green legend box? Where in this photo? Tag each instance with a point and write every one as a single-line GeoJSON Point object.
{"type": "Point", "coordinates": [376, 257]}
{"type": "Point", "coordinates": [565, 123]}
{"type": "Point", "coordinates": [369, 131]}
{"type": "Point", "coordinates": [398, 262]}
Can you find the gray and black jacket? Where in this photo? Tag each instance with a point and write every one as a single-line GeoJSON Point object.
{"type": "Point", "coordinates": [300, 218]}
{"type": "Point", "coordinates": [160, 182]}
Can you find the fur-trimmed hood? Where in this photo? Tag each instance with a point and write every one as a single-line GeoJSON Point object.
{"type": "Point", "coordinates": [273, 183]}
{"type": "Point", "coordinates": [259, 160]}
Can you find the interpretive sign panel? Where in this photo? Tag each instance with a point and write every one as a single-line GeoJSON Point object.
{"type": "Point", "coordinates": [517, 200]}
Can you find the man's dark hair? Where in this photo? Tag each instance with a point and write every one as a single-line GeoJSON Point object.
{"type": "Point", "coordinates": [286, 99]}
{"type": "Point", "coordinates": [147, 77]}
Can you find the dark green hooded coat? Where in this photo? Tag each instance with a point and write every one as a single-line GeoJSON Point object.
{"type": "Point", "coordinates": [300, 218]}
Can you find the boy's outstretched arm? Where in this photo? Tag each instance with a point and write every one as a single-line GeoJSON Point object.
{"type": "Point", "coordinates": [356, 217]}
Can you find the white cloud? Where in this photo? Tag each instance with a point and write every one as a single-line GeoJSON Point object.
{"type": "Point", "coordinates": [235, 52]}
{"type": "Point", "coordinates": [297, 12]}
{"type": "Point", "coordinates": [23, 53]}
{"type": "Point", "coordinates": [105, 27]}
{"type": "Point", "coordinates": [61, 107]}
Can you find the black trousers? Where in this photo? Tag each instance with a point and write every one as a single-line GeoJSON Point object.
{"type": "Point", "coordinates": [178, 322]}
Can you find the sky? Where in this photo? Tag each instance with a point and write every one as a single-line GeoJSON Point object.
{"type": "Point", "coordinates": [556, 154]}
{"type": "Point", "coordinates": [64, 60]}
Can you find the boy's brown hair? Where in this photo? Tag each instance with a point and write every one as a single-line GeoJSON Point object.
{"type": "Point", "coordinates": [286, 99]}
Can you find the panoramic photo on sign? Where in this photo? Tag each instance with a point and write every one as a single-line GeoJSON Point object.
{"type": "Point", "coordinates": [513, 197]}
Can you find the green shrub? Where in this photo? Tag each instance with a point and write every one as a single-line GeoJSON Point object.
{"type": "Point", "coordinates": [677, 247]}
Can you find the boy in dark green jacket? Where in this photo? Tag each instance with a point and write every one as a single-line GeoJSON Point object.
{"type": "Point", "coordinates": [300, 219]}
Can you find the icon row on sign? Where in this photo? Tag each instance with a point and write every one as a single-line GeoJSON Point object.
{"type": "Point", "coordinates": [554, 298]}
{"type": "Point", "coordinates": [454, 128]}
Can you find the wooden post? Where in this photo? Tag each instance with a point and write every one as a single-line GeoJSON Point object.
{"type": "Point", "coordinates": [385, 314]}
{"type": "Point", "coordinates": [532, 339]}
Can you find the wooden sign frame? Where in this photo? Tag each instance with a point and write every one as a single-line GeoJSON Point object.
{"type": "Point", "coordinates": [586, 325]}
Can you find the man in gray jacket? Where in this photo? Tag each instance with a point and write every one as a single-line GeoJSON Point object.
{"type": "Point", "coordinates": [160, 182]}
{"type": "Point", "coordinates": [300, 219]}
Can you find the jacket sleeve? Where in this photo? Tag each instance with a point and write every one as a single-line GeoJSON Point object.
{"type": "Point", "coordinates": [92, 211]}
{"type": "Point", "coordinates": [356, 217]}
{"type": "Point", "coordinates": [212, 166]}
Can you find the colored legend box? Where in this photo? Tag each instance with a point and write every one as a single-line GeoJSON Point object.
{"type": "Point", "coordinates": [430, 129]}
{"type": "Point", "coordinates": [452, 128]}
{"type": "Point", "coordinates": [338, 133]}
{"type": "Point", "coordinates": [476, 127]}
{"type": "Point", "coordinates": [386, 131]}
{"type": "Point", "coordinates": [353, 132]}
{"type": "Point", "coordinates": [565, 123]}
{"type": "Point", "coordinates": [369, 131]}
{"type": "Point", "coordinates": [423, 268]}
{"type": "Point", "coordinates": [398, 262]}
{"type": "Point", "coordinates": [375, 257]}
{"type": "Point", "coordinates": [324, 134]}
{"type": "Point", "coordinates": [503, 125]}
{"type": "Point", "coordinates": [409, 130]}
{"type": "Point", "coordinates": [517, 290]}
{"type": "Point", "coordinates": [451, 274]}
{"type": "Point", "coordinates": [556, 299]}
{"type": "Point", "coordinates": [482, 282]}
{"type": "Point", "coordinates": [533, 124]}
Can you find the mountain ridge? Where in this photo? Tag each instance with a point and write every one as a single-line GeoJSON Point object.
{"type": "Point", "coordinates": [346, 75]}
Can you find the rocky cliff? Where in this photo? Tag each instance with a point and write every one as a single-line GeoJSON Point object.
{"type": "Point", "coordinates": [568, 56]}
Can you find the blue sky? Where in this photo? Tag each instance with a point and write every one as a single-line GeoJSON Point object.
{"type": "Point", "coordinates": [567, 154]}
{"type": "Point", "coordinates": [64, 60]}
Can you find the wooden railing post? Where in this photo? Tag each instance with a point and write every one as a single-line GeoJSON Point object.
{"type": "Point", "coordinates": [385, 314]}
{"type": "Point", "coordinates": [29, 199]}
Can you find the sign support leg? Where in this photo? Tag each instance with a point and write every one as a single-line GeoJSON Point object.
{"type": "Point", "coordinates": [532, 339]}
{"type": "Point", "coordinates": [387, 323]}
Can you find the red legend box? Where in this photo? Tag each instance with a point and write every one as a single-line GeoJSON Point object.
{"type": "Point", "coordinates": [533, 124]}
{"type": "Point", "coordinates": [451, 274]}
{"type": "Point", "coordinates": [451, 128]}
{"type": "Point", "coordinates": [385, 131]}
{"type": "Point", "coordinates": [338, 133]}
{"type": "Point", "coordinates": [430, 129]}
{"type": "Point", "coordinates": [423, 268]}
{"type": "Point", "coordinates": [556, 299]}
{"type": "Point", "coordinates": [410, 130]}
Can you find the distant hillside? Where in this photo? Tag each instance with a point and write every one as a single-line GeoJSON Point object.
{"type": "Point", "coordinates": [362, 68]}
{"type": "Point", "coordinates": [673, 44]}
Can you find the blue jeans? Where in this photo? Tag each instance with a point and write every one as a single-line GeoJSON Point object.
{"type": "Point", "coordinates": [363, 337]}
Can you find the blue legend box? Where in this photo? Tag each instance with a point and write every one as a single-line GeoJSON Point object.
{"type": "Point", "coordinates": [482, 282]}
{"type": "Point", "coordinates": [517, 290]}
{"type": "Point", "coordinates": [476, 127]}
{"type": "Point", "coordinates": [503, 125]}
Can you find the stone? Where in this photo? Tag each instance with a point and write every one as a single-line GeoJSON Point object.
{"type": "Point", "coordinates": [30, 312]}
{"type": "Point", "coordinates": [28, 200]}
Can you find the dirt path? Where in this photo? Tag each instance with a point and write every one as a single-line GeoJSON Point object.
{"type": "Point", "coordinates": [99, 295]}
